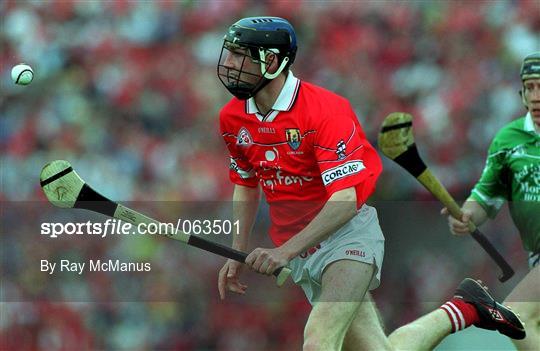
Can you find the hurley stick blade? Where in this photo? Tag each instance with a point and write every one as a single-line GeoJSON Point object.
{"type": "Point", "coordinates": [396, 134]}
{"type": "Point", "coordinates": [396, 141]}
{"type": "Point", "coordinates": [60, 183]}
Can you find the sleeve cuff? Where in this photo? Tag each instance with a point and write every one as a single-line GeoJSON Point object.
{"type": "Point", "coordinates": [492, 206]}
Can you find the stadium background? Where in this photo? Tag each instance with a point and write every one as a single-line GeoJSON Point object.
{"type": "Point", "coordinates": [127, 91]}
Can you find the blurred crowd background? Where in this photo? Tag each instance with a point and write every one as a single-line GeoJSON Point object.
{"type": "Point", "coordinates": [127, 91]}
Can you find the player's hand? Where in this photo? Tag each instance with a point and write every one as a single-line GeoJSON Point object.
{"type": "Point", "coordinates": [458, 227]}
{"type": "Point", "coordinates": [228, 279]}
{"type": "Point", "coordinates": [266, 261]}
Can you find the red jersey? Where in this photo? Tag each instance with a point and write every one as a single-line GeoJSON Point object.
{"type": "Point", "coordinates": [307, 147]}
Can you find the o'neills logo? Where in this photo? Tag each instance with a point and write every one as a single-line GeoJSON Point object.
{"type": "Point", "coordinates": [244, 138]}
{"type": "Point", "coordinates": [342, 171]}
{"type": "Point", "coordinates": [266, 130]}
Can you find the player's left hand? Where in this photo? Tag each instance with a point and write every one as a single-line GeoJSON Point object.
{"type": "Point", "coordinates": [266, 261]}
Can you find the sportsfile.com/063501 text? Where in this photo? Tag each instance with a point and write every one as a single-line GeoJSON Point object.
{"type": "Point", "coordinates": [115, 227]}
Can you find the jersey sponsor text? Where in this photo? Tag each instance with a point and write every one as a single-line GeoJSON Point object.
{"type": "Point", "coordinates": [287, 180]}
{"type": "Point", "coordinates": [342, 171]}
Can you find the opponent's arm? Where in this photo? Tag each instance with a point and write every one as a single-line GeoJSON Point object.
{"type": "Point", "coordinates": [472, 210]}
{"type": "Point", "coordinates": [486, 197]}
{"type": "Point", "coordinates": [477, 212]}
{"type": "Point", "coordinates": [338, 210]}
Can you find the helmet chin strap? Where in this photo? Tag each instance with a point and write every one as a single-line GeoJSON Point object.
{"type": "Point", "coordinates": [267, 75]}
{"type": "Point", "coordinates": [523, 98]}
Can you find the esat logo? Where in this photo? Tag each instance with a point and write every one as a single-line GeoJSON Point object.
{"type": "Point", "coordinates": [244, 138]}
{"type": "Point", "coordinates": [294, 138]}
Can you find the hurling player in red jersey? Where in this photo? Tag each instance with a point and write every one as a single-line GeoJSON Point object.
{"type": "Point", "coordinates": [303, 146]}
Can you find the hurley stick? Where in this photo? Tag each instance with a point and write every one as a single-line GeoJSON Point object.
{"type": "Point", "coordinates": [396, 141]}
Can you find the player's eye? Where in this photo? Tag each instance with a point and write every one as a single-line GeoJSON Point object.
{"type": "Point", "coordinates": [532, 86]}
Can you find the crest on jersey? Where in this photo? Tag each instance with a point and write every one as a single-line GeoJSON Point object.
{"type": "Point", "coordinates": [244, 138]}
{"type": "Point", "coordinates": [294, 138]}
{"type": "Point", "coordinates": [340, 151]}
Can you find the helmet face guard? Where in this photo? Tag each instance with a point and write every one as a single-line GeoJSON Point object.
{"type": "Point", "coordinates": [240, 82]}
{"type": "Point", "coordinates": [256, 38]}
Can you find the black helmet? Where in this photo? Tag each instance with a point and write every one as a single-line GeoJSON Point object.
{"type": "Point", "coordinates": [530, 68]}
{"type": "Point", "coordinates": [259, 36]}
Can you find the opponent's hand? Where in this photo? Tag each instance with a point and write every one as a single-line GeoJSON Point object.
{"type": "Point", "coordinates": [458, 227]}
{"type": "Point", "coordinates": [266, 261]}
{"type": "Point", "coordinates": [229, 279]}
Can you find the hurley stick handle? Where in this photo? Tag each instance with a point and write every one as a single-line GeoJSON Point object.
{"type": "Point", "coordinates": [433, 185]}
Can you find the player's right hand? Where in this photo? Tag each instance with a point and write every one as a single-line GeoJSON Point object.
{"type": "Point", "coordinates": [458, 227]}
{"type": "Point", "coordinates": [228, 279]}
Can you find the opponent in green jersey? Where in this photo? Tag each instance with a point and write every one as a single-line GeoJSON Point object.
{"type": "Point", "coordinates": [512, 173]}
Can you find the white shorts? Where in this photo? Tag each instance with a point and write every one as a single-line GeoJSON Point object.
{"type": "Point", "coordinates": [360, 239]}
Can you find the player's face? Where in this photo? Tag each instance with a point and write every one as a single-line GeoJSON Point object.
{"type": "Point", "coordinates": [241, 66]}
{"type": "Point", "coordinates": [531, 91]}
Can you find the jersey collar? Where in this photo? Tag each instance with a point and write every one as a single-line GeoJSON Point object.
{"type": "Point", "coordinates": [286, 98]}
{"type": "Point", "coordinates": [529, 124]}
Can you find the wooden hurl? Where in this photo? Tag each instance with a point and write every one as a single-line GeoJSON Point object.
{"type": "Point", "coordinates": [396, 141]}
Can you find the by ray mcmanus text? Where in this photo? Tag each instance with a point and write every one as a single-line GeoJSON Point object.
{"type": "Point", "coordinates": [80, 267]}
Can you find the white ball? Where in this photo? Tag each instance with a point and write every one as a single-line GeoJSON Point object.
{"type": "Point", "coordinates": [22, 74]}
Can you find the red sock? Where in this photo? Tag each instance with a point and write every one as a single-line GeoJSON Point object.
{"type": "Point", "coordinates": [461, 314]}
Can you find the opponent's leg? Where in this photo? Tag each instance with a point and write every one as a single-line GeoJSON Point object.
{"type": "Point", "coordinates": [343, 286]}
{"type": "Point", "coordinates": [525, 300]}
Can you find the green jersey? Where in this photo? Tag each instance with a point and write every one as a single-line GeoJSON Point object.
{"type": "Point", "coordinates": [512, 173]}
